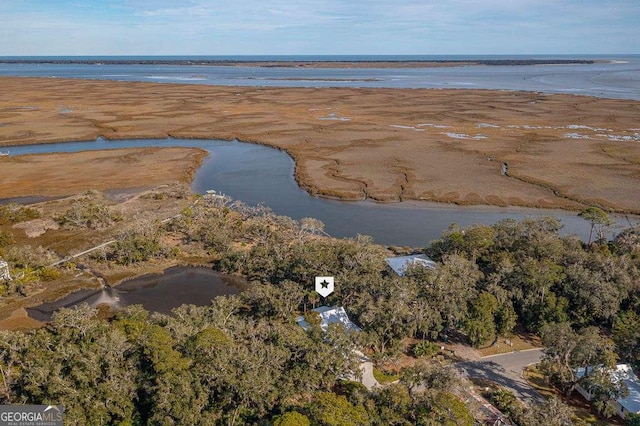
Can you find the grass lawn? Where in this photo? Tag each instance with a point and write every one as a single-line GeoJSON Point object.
{"type": "Point", "coordinates": [385, 377]}
{"type": "Point", "coordinates": [519, 342]}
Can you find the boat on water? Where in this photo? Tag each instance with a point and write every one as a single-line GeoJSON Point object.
{"type": "Point", "coordinates": [4, 154]}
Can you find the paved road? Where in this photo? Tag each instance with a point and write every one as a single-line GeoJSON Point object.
{"type": "Point", "coordinates": [506, 371]}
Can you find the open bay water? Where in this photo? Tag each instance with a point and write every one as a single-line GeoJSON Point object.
{"type": "Point", "coordinates": [257, 174]}
{"type": "Point", "coordinates": [612, 76]}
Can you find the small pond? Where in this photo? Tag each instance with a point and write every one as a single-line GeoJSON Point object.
{"type": "Point", "coordinates": [176, 286]}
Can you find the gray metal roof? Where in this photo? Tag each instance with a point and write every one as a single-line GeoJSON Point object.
{"type": "Point", "coordinates": [401, 263]}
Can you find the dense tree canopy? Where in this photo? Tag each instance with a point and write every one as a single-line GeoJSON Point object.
{"type": "Point", "coordinates": [244, 360]}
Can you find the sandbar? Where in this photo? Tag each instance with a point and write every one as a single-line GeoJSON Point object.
{"type": "Point", "coordinates": [442, 145]}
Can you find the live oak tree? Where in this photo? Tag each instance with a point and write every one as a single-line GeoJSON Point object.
{"type": "Point", "coordinates": [244, 360]}
{"type": "Point", "coordinates": [433, 376]}
{"type": "Point", "coordinates": [80, 362]}
{"type": "Point", "coordinates": [89, 212]}
{"type": "Point", "coordinates": [447, 289]}
{"type": "Point", "coordinates": [599, 219]}
{"type": "Point", "coordinates": [595, 298]}
{"type": "Point", "coordinates": [385, 313]}
{"type": "Point", "coordinates": [626, 335]}
{"type": "Point", "coordinates": [330, 409]}
{"type": "Point", "coordinates": [605, 389]}
{"type": "Point", "coordinates": [567, 350]}
{"type": "Point", "coordinates": [139, 243]}
{"type": "Point", "coordinates": [552, 412]}
{"type": "Point", "coordinates": [480, 325]}
{"type": "Point", "coordinates": [449, 410]}
{"type": "Point", "coordinates": [292, 418]}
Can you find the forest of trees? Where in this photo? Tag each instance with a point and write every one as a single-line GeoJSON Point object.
{"type": "Point", "coordinates": [243, 359]}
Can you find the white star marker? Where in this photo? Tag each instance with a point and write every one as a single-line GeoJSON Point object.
{"type": "Point", "coordinates": [324, 286]}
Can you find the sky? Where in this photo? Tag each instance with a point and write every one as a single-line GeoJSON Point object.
{"type": "Point", "coordinates": [316, 27]}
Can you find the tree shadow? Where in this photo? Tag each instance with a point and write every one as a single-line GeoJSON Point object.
{"type": "Point", "coordinates": [496, 373]}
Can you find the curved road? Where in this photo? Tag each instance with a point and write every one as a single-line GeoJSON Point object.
{"type": "Point", "coordinates": [506, 371]}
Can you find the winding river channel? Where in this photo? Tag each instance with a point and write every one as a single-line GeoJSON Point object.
{"type": "Point", "coordinates": [259, 174]}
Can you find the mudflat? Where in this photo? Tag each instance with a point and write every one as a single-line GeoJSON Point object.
{"type": "Point", "coordinates": [562, 151]}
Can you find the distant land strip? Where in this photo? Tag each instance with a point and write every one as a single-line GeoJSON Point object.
{"type": "Point", "coordinates": [320, 63]}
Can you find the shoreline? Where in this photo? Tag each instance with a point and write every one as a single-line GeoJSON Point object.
{"type": "Point", "coordinates": [379, 144]}
{"type": "Point", "coordinates": [311, 63]}
{"type": "Point", "coordinates": [312, 191]}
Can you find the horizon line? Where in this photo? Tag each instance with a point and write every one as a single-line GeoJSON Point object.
{"type": "Point", "coordinates": [320, 54]}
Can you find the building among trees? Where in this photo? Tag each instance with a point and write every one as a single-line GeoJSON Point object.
{"type": "Point", "coordinates": [400, 264]}
{"type": "Point", "coordinates": [329, 315]}
{"type": "Point", "coordinates": [622, 374]}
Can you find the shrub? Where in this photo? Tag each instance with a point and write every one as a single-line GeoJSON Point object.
{"type": "Point", "coordinates": [14, 213]}
{"type": "Point", "coordinates": [425, 349]}
{"type": "Point", "coordinates": [29, 257]}
{"type": "Point", "coordinates": [292, 418]}
{"type": "Point", "coordinates": [505, 401]}
{"type": "Point", "coordinates": [49, 274]}
{"type": "Point", "coordinates": [137, 246]}
{"type": "Point", "coordinates": [88, 213]}
{"type": "Point", "coordinates": [632, 419]}
{"type": "Point", "coordinates": [6, 239]}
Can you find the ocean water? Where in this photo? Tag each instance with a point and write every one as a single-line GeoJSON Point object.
{"type": "Point", "coordinates": [613, 76]}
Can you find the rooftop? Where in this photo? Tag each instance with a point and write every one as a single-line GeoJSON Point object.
{"type": "Point", "coordinates": [625, 373]}
{"type": "Point", "coordinates": [400, 264]}
{"type": "Point", "coordinates": [632, 401]}
{"type": "Point", "coordinates": [329, 315]}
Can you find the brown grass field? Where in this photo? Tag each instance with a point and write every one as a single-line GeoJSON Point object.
{"type": "Point", "coordinates": [72, 173]}
{"type": "Point", "coordinates": [563, 151]}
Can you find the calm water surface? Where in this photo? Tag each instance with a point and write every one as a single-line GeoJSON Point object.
{"type": "Point", "coordinates": [618, 77]}
{"type": "Point", "coordinates": [156, 292]}
{"type": "Point", "coordinates": [258, 174]}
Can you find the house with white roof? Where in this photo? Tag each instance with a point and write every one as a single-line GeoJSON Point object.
{"type": "Point", "coordinates": [400, 264]}
{"type": "Point", "coordinates": [338, 315]}
{"type": "Point", "coordinates": [329, 315]}
{"type": "Point", "coordinates": [4, 271]}
{"type": "Point", "coordinates": [628, 404]}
